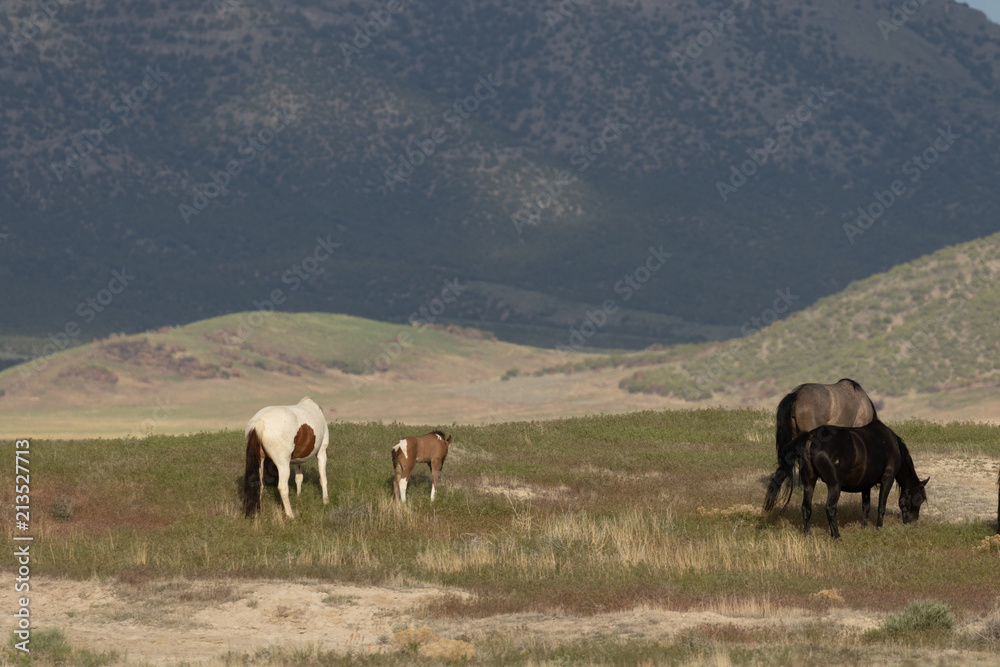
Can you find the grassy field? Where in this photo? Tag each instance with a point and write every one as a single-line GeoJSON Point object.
{"type": "Point", "coordinates": [583, 516]}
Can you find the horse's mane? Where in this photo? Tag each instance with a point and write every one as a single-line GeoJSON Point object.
{"type": "Point", "coordinates": [854, 385]}
{"type": "Point", "coordinates": [905, 453]}
{"type": "Point", "coordinates": [439, 434]}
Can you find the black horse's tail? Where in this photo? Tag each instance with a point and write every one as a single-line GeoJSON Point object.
{"type": "Point", "coordinates": [789, 455]}
{"type": "Point", "coordinates": [251, 480]}
{"type": "Point", "coordinates": [784, 433]}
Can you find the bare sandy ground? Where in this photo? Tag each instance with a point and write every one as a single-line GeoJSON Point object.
{"type": "Point", "coordinates": [182, 621]}
{"type": "Point", "coordinates": [199, 622]}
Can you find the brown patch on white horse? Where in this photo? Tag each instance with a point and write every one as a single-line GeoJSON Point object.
{"type": "Point", "coordinates": [305, 440]}
{"type": "Point", "coordinates": [430, 448]}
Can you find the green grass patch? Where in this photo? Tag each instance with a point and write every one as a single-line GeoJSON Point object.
{"type": "Point", "coordinates": [50, 647]}
{"type": "Point", "coordinates": [585, 515]}
{"type": "Point", "coordinates": [921, 621]}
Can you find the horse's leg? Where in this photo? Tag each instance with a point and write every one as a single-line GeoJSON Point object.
{"type": "Point", "coordinates": [298, 478]}
{"type": "Point", "coordinates": [866, 506]}
{"type": "Point", "coordinates": [435, 465]}
{"type": "Point", "coordinates": [883, 498]}
{"type": "Point", "coordinates": [260, 476]}
{"type": "Point", "coordinates": [403, 481]}
{"type": "Point", "coordinates": [284, 467]}
{"type": "Point", "coordinates": [321, 460]}
{"type": "Point", "coordinates": [807, 500]}
{"type": "Point", "coordinates": [833, 496]}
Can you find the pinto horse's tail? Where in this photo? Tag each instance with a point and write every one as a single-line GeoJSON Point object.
{"type": "Point", "coordinates": [783, 433]}
{"type": "Point", "coordinates": [789, 455]}
{"type": "Point", "coordinates": [252, 488]}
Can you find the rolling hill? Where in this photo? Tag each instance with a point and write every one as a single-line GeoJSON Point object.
{"type": "Point", "coordinates": [921, 338]}
{"type": "Point", "coordinates": [924, 330]}
{"type": "Point", "coordinates": [216, 373]}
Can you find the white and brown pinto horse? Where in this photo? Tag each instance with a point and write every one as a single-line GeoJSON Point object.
{"type": "Point", "coordinates": [288, 435]}
{"type": "Point", "coordinates": [431, 449]}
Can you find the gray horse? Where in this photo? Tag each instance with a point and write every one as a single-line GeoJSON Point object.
{"type": "Point", "coordinates": [812, 405]}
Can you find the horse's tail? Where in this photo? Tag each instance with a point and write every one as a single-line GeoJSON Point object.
{"type": "Point", "coordinates": [251, 480]}
{"type": "Point", "coordinates": [783, 433]}
{"type": "Point", "coordinates": [871, 403]}
{"type": "Point", "coordinates": [789, 455]}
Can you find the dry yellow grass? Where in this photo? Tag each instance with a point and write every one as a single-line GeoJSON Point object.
{"type": "Point", "coordinates": [620, 543]}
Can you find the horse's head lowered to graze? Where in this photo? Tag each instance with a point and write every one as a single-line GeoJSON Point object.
{"type": "Point", "coordinates": [430, 448]}
{"type": "Point", "coordinates": [911, 499]}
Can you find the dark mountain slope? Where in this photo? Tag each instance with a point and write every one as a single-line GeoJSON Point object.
{"type": "Point", "coordinates": [661, 120]}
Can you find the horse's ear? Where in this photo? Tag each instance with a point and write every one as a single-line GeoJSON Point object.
{"type": "Point", "coordinates": [924, 483]}
{"type": "Point", "coordinates": [448, 440]}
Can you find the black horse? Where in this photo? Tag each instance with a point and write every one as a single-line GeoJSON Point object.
{"type": "Point", "coordinates": [852, 460]}
{"type": "Point", "coordinates": [812, 405]}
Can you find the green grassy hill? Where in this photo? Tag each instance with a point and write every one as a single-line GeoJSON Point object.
{"type": "Point", "coordinates": [924, 330]}
{"type": "Point", "coordinates": [248, 344]}
{"type": "Point", "coordinates": [215, 373]}
{"type": "Point", "coordinates": [924, 327]}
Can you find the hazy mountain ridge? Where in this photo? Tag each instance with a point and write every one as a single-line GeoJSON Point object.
{"type": "Point", "coordinates": [558, 84]}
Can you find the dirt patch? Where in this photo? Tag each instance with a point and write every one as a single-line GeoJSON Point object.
{"type": "Point", "coordinates": [588, 469]}
{"type": "Point", "coordinates": [200, 622]}
{"type": "Point", "coordinates": [93, 376]}
{"type": "Point", "coordinates": [961, 488]}
{"type": "Point", "coordinates": [176, 620]}
{"type": "Point", "coordinates": [171, 358]}
{"type": "Point", "coordinates": [518, 490]}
